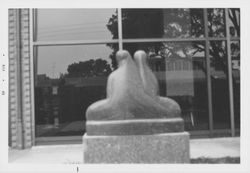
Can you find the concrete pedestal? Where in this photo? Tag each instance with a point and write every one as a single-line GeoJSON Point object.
{"type": "Point", "coordinates": [156, 148]}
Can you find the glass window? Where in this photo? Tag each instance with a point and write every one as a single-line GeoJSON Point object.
{"type": "Point", "coordinates": [234, 22]}
{"type": "Point", "coordinates": [181, 72]}
{"type": "Point", "coordinates": [216, 22]}
{"type": "Point", "coordinates": [162, 23]}
{"type": "Point", "coordinates": [68, 80]}
{"type": "Point", "coordinates": [75, 24]}
{"type": "Point", "coordinates": [219, 80]}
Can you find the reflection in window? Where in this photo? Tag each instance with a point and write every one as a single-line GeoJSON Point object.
{"type": "Point", "coordinates": [216, 23]}
{"type": "Point", "coordinates": [68, 80]}
{"type": "Point", "coordinates": [183, 23]}
{"type": "Point", "coordinates": [162, 23]}
{"type": "Point", "coordinates": [142, 23]}
{"type": "Point", "coordinates": [234, 23]}
{"type": "Point", "coordinates": [219, 81]}
{"type": "Point", "coordinates": [181, 72]}
{"type": "Point", "coordinates": [74, 24]}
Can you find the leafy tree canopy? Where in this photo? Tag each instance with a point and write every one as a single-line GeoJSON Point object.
{"type": "Point", "coordinates": [90, 68]}
{"type": "Point", "coordinates": [174, 23]}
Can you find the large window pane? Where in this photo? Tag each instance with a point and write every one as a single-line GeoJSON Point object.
{"type": "Point", "coordinates": [68, 79]}
{"type": "Point", "coordinates": [162, 23]}
{"type": "Point", "coordinates": [181, 72]}
{"type": "Point", "coordinates": [74, 24]}
{"type": "Point", "coordinates": [220, 89]}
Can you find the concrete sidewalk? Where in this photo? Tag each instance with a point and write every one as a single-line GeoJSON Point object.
{"type": "Point", "coordinates": [73, 154]}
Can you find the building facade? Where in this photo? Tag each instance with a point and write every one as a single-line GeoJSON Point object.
{"type": "Point", "coordinates": [59, 61]}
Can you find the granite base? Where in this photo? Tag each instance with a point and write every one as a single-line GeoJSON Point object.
{"type": "Point", "coordinates": [157, 148]}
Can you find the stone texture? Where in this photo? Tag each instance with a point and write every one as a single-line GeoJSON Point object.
{"type": "Point", "coordinates": [127, 96]}
{"type": "Point", "coordinates": [135, 127]}
{"type": "Point", "coordinates": [160, 148]}
{"type": "Point", "coordinates": [19, 79]}
{"type": "Point", "coordinates": [134, 124]}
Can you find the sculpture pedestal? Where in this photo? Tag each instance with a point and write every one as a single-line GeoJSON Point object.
{"type": "Point", "coordinates": [156, 148]}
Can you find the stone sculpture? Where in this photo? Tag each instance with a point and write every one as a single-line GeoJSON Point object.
{"type": "Point", "coordinates": [151, 87]}
{"type": "Point", "coordinates": [132, 93]}
{"type": "Point", "coordinates": [132, 98]}
{"type": "Point", "coordinates": [134, 124]}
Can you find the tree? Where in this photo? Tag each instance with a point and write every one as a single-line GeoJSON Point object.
{"type": "Point", "coordinates": [90, 68]}
{"type": "Point", "coordinates": [157, 23]}
{"type": "Point", "coordinates": [137, 23]}
{"type": "Point", "coordinates": [234, 15]}
{"type": "Point", "coordinates": [174, 23]}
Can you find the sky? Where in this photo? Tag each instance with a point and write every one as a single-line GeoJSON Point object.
{"type": "Point", "coordinates": [71, 24]}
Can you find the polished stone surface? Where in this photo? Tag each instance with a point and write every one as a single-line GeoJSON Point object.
{"type": "Point", "coordinates": [135, 127]}
{"type": "Point", "coordinates": [127, 96]}
{"type": "Point", "coordinates": [151, 86]}
{"type": "Point", "coordinates": [161, 148]}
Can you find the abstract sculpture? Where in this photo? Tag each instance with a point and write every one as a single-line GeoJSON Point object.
{"type": "Point", "coordinates": [132, 105]}
{"type": "Point", "coordinates": [132, 93]}
{"type": "Point", "coordinates": [134, 121]}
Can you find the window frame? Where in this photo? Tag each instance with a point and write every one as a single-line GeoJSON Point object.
{"type": "Point", "coordinates": [33, 61]}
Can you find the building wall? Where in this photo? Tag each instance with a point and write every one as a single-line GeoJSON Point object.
{"type": "Point", "coordinates": [20, 113]}
{"type": "Point", "coordinates": [21, 108]}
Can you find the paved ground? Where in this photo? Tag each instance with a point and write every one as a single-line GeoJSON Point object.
{"type": "Point", "coordinates": [68, 154]}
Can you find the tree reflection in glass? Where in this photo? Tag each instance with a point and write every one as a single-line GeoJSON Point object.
{"type": "Point", "coordinates": [68, 80]}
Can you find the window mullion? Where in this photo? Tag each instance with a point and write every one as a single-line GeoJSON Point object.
{"type": "Point", "coordinates": [209, 84]}
{"type": "Point", "coordinates": [120, 28]}
{"type": "Point", "coordinates": [230, 81]}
